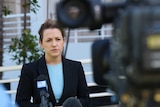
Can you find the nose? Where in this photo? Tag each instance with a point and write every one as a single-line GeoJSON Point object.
{"type": "Point", "coordinates": [54, 43]}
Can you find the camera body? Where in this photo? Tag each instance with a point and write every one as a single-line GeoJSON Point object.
{"type": "Point", "coordinates": [137, 34]}
{"type": "Point", "coordinates": [129, 61]}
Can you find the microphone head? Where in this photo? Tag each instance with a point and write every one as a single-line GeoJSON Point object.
{"type": "Point", "coordinates": [41, 78]}
{"type": "Point", "coordinates": [42, 82]}
{"type": "Point", "coordinates": [72, 102]}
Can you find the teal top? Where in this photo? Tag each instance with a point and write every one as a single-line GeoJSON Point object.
{"type": "Point", "coordinates": [56, 78]}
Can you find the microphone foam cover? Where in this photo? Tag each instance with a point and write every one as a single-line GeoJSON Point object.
{"type": "Point", "coordinates": [72, 102]}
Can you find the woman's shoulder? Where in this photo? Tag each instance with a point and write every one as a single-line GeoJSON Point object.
{"type": "Point", "coordinates": [34, 63]}
{"type": "Point", "coordinates": [71, 61]}
{"type": "Point", "coordinates": [31, 63]}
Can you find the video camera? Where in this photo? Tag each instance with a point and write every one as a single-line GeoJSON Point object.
{"type": "Point", "coordinates": [129, 61]}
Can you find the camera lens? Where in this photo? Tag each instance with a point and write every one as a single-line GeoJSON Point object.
{"type": "Point", "coordinates": [73, 13]}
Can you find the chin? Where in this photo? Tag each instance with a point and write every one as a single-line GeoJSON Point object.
{"type": "Point", "coordinates": [55, 55]}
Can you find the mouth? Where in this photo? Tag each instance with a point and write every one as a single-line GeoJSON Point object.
{"type": "Point", "coordinates": [54, 50]}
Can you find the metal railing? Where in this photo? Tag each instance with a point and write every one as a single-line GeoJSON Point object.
{"type": "Point", "coordinates": [13, 26]}
{"type": "Point", "coordinates": [85, 35]}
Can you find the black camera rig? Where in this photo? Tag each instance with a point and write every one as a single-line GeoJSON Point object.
{"type": "Point", "coordinates": [129, 61]}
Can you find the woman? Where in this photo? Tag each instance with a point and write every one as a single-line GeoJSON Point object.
{"type": "Point", "coordinates": [65, 77]}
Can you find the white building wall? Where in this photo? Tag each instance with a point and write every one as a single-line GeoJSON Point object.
{"type": "Point", "coordinates": [38, 18]}
{"type": "Point", "coordinates": [47, 10]}
{"type": "Point", "coordinates": [52, 8]}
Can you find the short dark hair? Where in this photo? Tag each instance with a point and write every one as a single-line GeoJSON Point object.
{"type": "Point", "coordinates": [49, 23]}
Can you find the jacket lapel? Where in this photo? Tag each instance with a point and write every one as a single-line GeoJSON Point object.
{"type": "Point", "coordinates": [66, 75]}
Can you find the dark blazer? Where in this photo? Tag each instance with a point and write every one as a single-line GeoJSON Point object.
{"type": "Point", "coordinates": [74, 83]}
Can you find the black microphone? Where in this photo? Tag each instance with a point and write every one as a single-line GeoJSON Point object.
{"type": "Point", "coordinates": [43, 88]}
{"type": "Point", "coordinates": [72, 102]}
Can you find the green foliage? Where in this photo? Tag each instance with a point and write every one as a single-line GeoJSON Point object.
{"type": "Point", "coordinates": [6, 11]}
{"type": "Point", "coordinates": [25, 49]}
{"type": "Point", "coordinates": [33, 5]}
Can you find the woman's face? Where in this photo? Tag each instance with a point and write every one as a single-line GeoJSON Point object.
{"type": "Point", "coordinates": [52, 42]}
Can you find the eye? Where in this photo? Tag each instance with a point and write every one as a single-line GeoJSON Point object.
{"type": "Point", "coordinates": [48, 40]}
{"type": "Point", "coordinates": [58, 39]}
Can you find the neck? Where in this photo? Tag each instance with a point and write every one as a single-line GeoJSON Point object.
{"type": "Point", "coordinates": [53, 60]}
